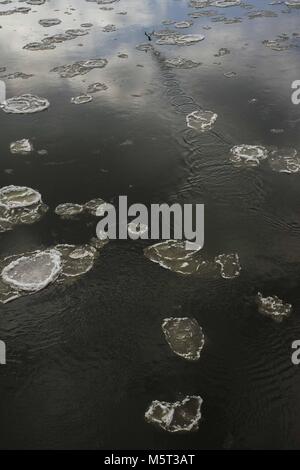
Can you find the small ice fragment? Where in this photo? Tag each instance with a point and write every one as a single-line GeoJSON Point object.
{"type": "Point", "coordinates": [273, 307]}
{"type": "Point", "coordinates": [49, 22]}
{"type": "Point", "coordinates": [230, 74]}
{"type": "Point", "coordinates": [93, 206]}
{"type": "Point", "coordinates": [180, 416]}
{"type": "Point", "coordinates": [95, 87]}
{"type": "Point", "coordinates": [184, 336]}
{"type": "Point", "coordinates": [82, 99]}
{"type": "Point", "coordinates": [181, 63]}
{"type": "Point", "coordinates": [286, 160]}
{"type": "Point", "coordinates": [68, 210]}
{"type": "Point", "coordinates": [201, 120]}
{"type": "Point", "coordinates": [76, 260]}
{"type": "Point", "coordinates": [230, 265]}
{"type": "Point", "coordinates": [22, 147]}
{"type": "Point", "coordinates": [109, 28]}
{"type": "Point", "coordinates": [183, 24]}
{"type": "Point", "coordinates": [226, 3]}
{"type": "Point", "coordinates": [248, 155]}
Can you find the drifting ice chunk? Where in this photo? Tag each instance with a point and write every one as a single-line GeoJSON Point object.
{"type": "Point", "coordinates": [230, 265]}
{"type": "Point", "coordinates": [183, 24]}
{"type": "Point", "coordinates": [95, 87]}
{"type": "Point", "coordinates": [173, 255]}
{"type": "Point", "coordinates": [226, 3]}
{"type": "Point", "coordinates": [180, 416]}
{"type": "Point", "coordinates": [19, 205]}
{"type": "Point", "coordinates": [293, 3]}
{"type": "Point", "coordinates": [93, 206]}
{"type": "Point", "coordinates": [35, 2]}
{"type": "Point", "coordinates": [33, 273]}
{"type": "Point", "coordinates": [273, 307]}
{"type": "Point", "coordinates": [79, 68]}
{"type": "Point", "coordinates": [12, 197]}
{"type": "Point", "coordinates": [22, 147]}
{"type": "Point", "coordinates": [201, 120]}
{"type": "Point", "coordinates": [179, 62]}
{"type": "Point", "coordinates": [248, 155]}
{"type": "Point", "coordinates": [24, 104]}
{"type": "Point", "coordinates": [178, 39]}
{"type": "Point", "coordinates": [82, 99]}
{"type": "Point", "coordinates": [184, 336]}
{"type": "Point", "coordinates": [285, 161]}
{"type": "Point", "coordinates": [68, 210]}
{"type": "Point", "coordinates": [49, 22]}
{"type": "Point", "coordinates": [76, 260]}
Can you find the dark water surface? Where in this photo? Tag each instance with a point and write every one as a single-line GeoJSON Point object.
{"type": "Point", "coordinates": [85, 361]}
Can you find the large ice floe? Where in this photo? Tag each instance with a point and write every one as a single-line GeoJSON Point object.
{"type": "Point", "coordinates": [273, 307]}
{"type": "Point", "coordinates": [31, 272]}
{"type": "Point", "coordinates": [173, 255]}
{"type": "Point", "coordinates": [34, 272]}
{"type": "Point", "coordinates": [180, 416]}
{"type": "Point", "coordinates": [24, 104]}
{"type": "Point", "coordinates": [248, 155]}
{"type": "Point", "coordinates": [20, 205]}
{"type": "Point", "coordinates": [79, 68]}
{"type": "Point", "coordinates": [202, 121]}
{"type": "Point", "coordinates": [184, 336]}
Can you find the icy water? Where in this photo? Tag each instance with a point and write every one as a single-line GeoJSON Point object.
{"type": "Point", "coordinates": [85, 360]}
